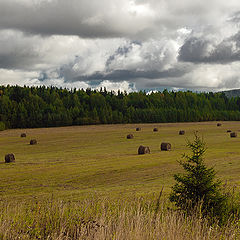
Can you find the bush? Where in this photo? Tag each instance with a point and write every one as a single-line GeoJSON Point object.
{"type": "Point", "coordinates": [197, 187]}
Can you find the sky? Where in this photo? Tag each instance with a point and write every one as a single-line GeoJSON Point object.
{"type": "Point", "coordinates": [128, 45]}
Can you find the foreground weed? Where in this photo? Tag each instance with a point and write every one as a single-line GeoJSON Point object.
{"type": "Point", "coordinates": [104, 219]}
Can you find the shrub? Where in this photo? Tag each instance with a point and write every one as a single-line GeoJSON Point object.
{"type": "Point", "coordinates": [197, 187]}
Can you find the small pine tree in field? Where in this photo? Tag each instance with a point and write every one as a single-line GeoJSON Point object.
{"type": "Point", "coordinates": [2, 126]}
{"type": "Point", "coordinates": [197, 186]}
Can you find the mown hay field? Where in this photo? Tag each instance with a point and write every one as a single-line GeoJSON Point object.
{"type": "Point", "coordinates": [76, 162]}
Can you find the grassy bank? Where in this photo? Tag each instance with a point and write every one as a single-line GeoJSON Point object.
{"type": "Point", "coordinates": [101, 219]}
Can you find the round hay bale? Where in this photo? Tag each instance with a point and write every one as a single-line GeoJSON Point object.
{"type": "Point", "coordinates": [233, 134]}
{"type": "Point", "coordinates": [165, 146]}
{"type": "Point", "coordinates": [219, 125]}
{"type": "Point", "coordinates": [155, 129]}
{"type": "Point", "coordinates": [138, 129]}
{"type": "Point", "coordinates": [229, 131]}
{"type": "Point", "coordinates": [181, 132]}
{"type": "Point", "coordinates": [130, 136]}
{"type": "Point", "coordinates": [143, 150]}
{"type": "Point", "coordinates": [9, 158]}
{"type": "Point", "coordinates": [33, 142]}
{"type": "Point", "coordinates": [23, 135]}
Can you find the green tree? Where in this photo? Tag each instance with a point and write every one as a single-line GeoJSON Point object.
{"type": "Point", "coordinates": [198, 185]}
{"type": "Point", "coordinates": [2, 126]}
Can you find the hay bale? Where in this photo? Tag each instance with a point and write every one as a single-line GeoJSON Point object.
{"type": "Point", "coordinates": [233, 134]}
{"type": "Point", "coordinates": [23, 135]}
{"type": "Point", "coordinates": [138, 129]}
{"type": "Point", "coordinates": [229, 131]}
{"type": "Point", "coordinates": [181, 132]}
{"type": "Point", "coordinates": [219, 125]}
{"type": "Point", "coordinates": [143, 150]}
{"type": "Point", "coordinates": [9, 158]}
{"type": "Point", "coordinates": [130, 136]}
{"type": "Point", "coordinates": [33, 142]}
{"type": "Point", "coordinates": [165, 146]}
{"type": "Point", "coordinates": [155, 129]}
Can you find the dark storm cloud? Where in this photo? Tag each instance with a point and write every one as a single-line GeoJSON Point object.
{"type": "Point", "coordinates": [201, 50]}
{"type": "Point", "coordinates": [111, 18]}
{"type": "Point", "coordinates": [88, 19]}
{"type": "Point", "coordinates": [17, 50]}
{"type": "Point", "coordinates": [131, 75]}
{"type": "Point", "coordinates": [16, 61]}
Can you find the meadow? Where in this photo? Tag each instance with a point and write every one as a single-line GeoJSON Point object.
{"type": "Point", "coordinates": [73, 162]}
{"type": "Point", "coordinates": [88, 182]}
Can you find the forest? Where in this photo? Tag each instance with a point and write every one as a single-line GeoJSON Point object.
{"type": "Point", "coordinates": [33, 107]}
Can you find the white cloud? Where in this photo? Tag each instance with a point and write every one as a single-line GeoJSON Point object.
{"type": "Point", "coordinates": [30, 52]}
{"type": "Point", "coordinates": [147, 56]}
{"type": "Point", "coordinates": [17, 77]}
{"type": "Point", "coordinates": [122, 86]}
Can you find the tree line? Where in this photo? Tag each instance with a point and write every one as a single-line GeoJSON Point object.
{"type": "Point", "coordinates": [31, 107]}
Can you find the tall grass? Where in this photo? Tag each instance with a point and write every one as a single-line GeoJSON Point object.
{"type": "Point", "coordinates": [97, 218]}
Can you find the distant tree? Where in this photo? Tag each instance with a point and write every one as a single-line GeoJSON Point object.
{"type": "Point", "coordinates": [51, 106]}
{"type": "Point", "coordinates": [2, 126]}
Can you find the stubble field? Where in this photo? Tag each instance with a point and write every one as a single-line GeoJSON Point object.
{"type": "Point", "coordinates": [76, 162]}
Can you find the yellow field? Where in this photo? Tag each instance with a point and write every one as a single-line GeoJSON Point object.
{"type": "Point", "coordinates": [75, 162]}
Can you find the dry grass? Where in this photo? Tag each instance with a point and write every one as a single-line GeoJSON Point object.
{"type": "Point", "coordinates": [101, 219]}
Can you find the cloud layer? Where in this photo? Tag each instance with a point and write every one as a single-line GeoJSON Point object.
{"type": "Point", "coordinates": [128, 44]}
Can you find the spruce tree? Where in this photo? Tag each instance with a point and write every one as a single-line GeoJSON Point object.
{"type": "Point", "coordinates": [197, 186]}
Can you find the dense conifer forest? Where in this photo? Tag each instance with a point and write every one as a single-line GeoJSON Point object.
{"type": "Point", "coordinates": [31, 107]}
